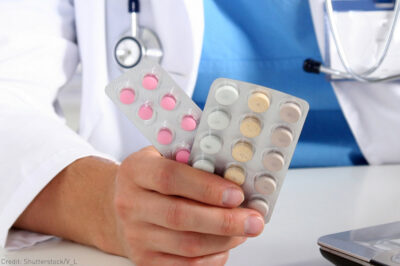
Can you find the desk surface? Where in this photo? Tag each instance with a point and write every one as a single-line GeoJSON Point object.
{"type": "Point", "coordinates": [312, 203]}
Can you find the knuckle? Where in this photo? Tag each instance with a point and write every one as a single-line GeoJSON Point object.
{"type": "Point", "coordinates": [134, 159]}
{"type": "Point", "coordinates": [132, 238]}
{"type": "Point", "coordinates": [165, 178]}
{"type": "Point", "coordinates": [209, 191]}
{"type": "Point", "coordinates": [227, 223]}
{"type": "Point", "coordinates": [124, 207]}
{"type": "Point", "coordinates": [121, 207]}
{"type": "Point", "coordinates": [191, 245]}
{"type": "Point", "coordinates": [175, 215]}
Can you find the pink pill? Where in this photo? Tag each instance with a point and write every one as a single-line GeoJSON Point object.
{"type": "Point", "coordinates": [168, 102]}
{"type": "Point", "coordinates": [127, 96]}
{"type": "Point", "coordinates": [145, 112]}
{"type": "Point", "coordinates": [188, 123]}
{"type": "Point", "coordinates": [164, 136]}
{"type": "Point", "coordinates": [182, 156]}
{"type": "Point", "coordinates": [150, 82]}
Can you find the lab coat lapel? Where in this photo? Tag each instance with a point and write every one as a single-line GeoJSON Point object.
{"type": "Point", "coordinates": [90, 20]}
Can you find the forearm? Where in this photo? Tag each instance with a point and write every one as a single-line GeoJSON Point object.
{"type": "Point", "coordinates": [77, 205]}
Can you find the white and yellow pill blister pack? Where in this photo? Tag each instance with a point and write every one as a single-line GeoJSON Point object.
{"type": "Point", "coordinates": [248, 134]}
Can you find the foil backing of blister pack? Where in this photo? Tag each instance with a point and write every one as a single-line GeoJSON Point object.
{"type": "Point", "coordinates": [270, 120]}
{"type": "Point", "coordinates": [161, 118]}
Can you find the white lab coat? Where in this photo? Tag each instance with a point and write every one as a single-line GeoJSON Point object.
{"type": "Point", "coordinates": [39, 54]}
{"type": "Point", "coordinates": [371, 110]}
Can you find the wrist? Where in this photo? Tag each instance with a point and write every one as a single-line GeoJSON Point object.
{"type": "Point", "coordinates": [105, 235]}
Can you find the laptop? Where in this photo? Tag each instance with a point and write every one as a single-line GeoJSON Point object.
{"type": "Point", "coordinates": [376, 245]}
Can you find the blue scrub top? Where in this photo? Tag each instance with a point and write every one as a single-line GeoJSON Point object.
{"type": "Point", "coordinates": [265, 42]}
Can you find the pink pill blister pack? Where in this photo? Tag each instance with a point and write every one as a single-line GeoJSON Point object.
{"type": "Point", "coordinates": [248, 135]}
{"type": "Point", "coordinates": [156, 105]}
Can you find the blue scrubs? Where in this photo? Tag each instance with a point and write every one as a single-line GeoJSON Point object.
{"type": "Point", "coordinates": [265, 42]}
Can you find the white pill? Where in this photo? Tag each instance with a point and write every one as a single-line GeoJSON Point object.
{"type": "Point", "coordinates": [265, 185]}
{"type": "Point", "coordinates": [273, 161]}
{"type": "Point", "coordinates": [204, 165]}
{"type": "Point", "coordinates": [290, 112]}
{"type": "Point", "coordinates": [210, 144]}
{"type": "Point", "coordinates": [281, 137]}
{"type": "Point", "coordinates": [226, 95]}
{"type": "Point", "coordinates": [259, 205]}
{"type": "Point", "coordinates": [218, 120]}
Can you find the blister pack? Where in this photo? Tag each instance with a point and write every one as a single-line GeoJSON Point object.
{"type": "Point", "coordinates": [248, 135]}
{"type": "Point", "coordinates": [156, 105]}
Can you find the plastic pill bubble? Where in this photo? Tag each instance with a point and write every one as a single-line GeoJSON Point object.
{"type": "Point", "coordinates": [204, 165]}
{"type": "Point", "coordinates": [258, 102]}
{"type": "Point", "coordinates": [182, 156]}
{"type": "Point", "coordinates": [168, 102]}
{"type": "Point", "coordinates": [226, 95]}
{"type": "Point", "coordinates": [150, 82]}
{"type": "Point", "coordinates": [145, 112]}
{"type": "Point", "coordinates": [164, 136]}
{"type": "Point", "coordinates": [273, 161]}
{"type": "Point", "coordinates": [188, 123]}
{"type": "Point", "coordinates": [265, 185]}
{"type": "Point", "coordinates": [259, 205]}
{"type": "Point", "coordinates": [127, 96]}
{"type": "Point", "coordinates": [250, 127]}
{"type": "Point", "coordinates": [235, 174]}
{"type": "Point", "coordinates": [210, 144]}
{"type": "Point", "coordinates": [242, 152]}
{"type": "Point", "coordinates": [281, 137]}
{"type": "Point", "coordinates": [290, 112]}
{"type": "Point", "coordinates": [218, 120]}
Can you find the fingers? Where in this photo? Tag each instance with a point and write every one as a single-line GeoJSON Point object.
{"type": "Point", "coordinates": [189, 244]}
{"type": "Point", "coordinates": [186, 215]}
{"type": "Point", "coordinates": [172, 260]}
{"type": "Point", "coordinates": [172, 178]}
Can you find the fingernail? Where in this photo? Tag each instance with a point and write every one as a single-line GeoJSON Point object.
{"type": "Point", "coordinates": [253, 225]}
{"type": "Point", "coordinates": [232, 197]}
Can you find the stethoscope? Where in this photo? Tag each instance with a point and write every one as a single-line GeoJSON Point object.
{"type": "Point", "coordinates": [313, 66]}
{"type": "Point", "coordinates": [138, 43]}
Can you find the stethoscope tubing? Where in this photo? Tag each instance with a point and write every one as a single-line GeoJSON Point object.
{"type": "Point", "coordinates": [313, 66]}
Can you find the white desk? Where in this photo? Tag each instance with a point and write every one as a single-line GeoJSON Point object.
{"type": "Point", "coordinates": [313, 202]}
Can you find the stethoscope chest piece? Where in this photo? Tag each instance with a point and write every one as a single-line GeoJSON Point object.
{"type": "Point", "coordinates": [130, 50]}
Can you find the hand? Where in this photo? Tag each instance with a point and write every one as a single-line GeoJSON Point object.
{"type": "Point", "coordinates": [168, 213]}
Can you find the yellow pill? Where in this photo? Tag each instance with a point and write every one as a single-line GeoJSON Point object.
{"type": "Point", "coordinates": [242, 152]}
{"type": "Point", "coordinates": [250, 127]}
{"type": "Point", "coordinates": [235, 174]}
{"type": "Point", "coordinates": [258, 102]}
